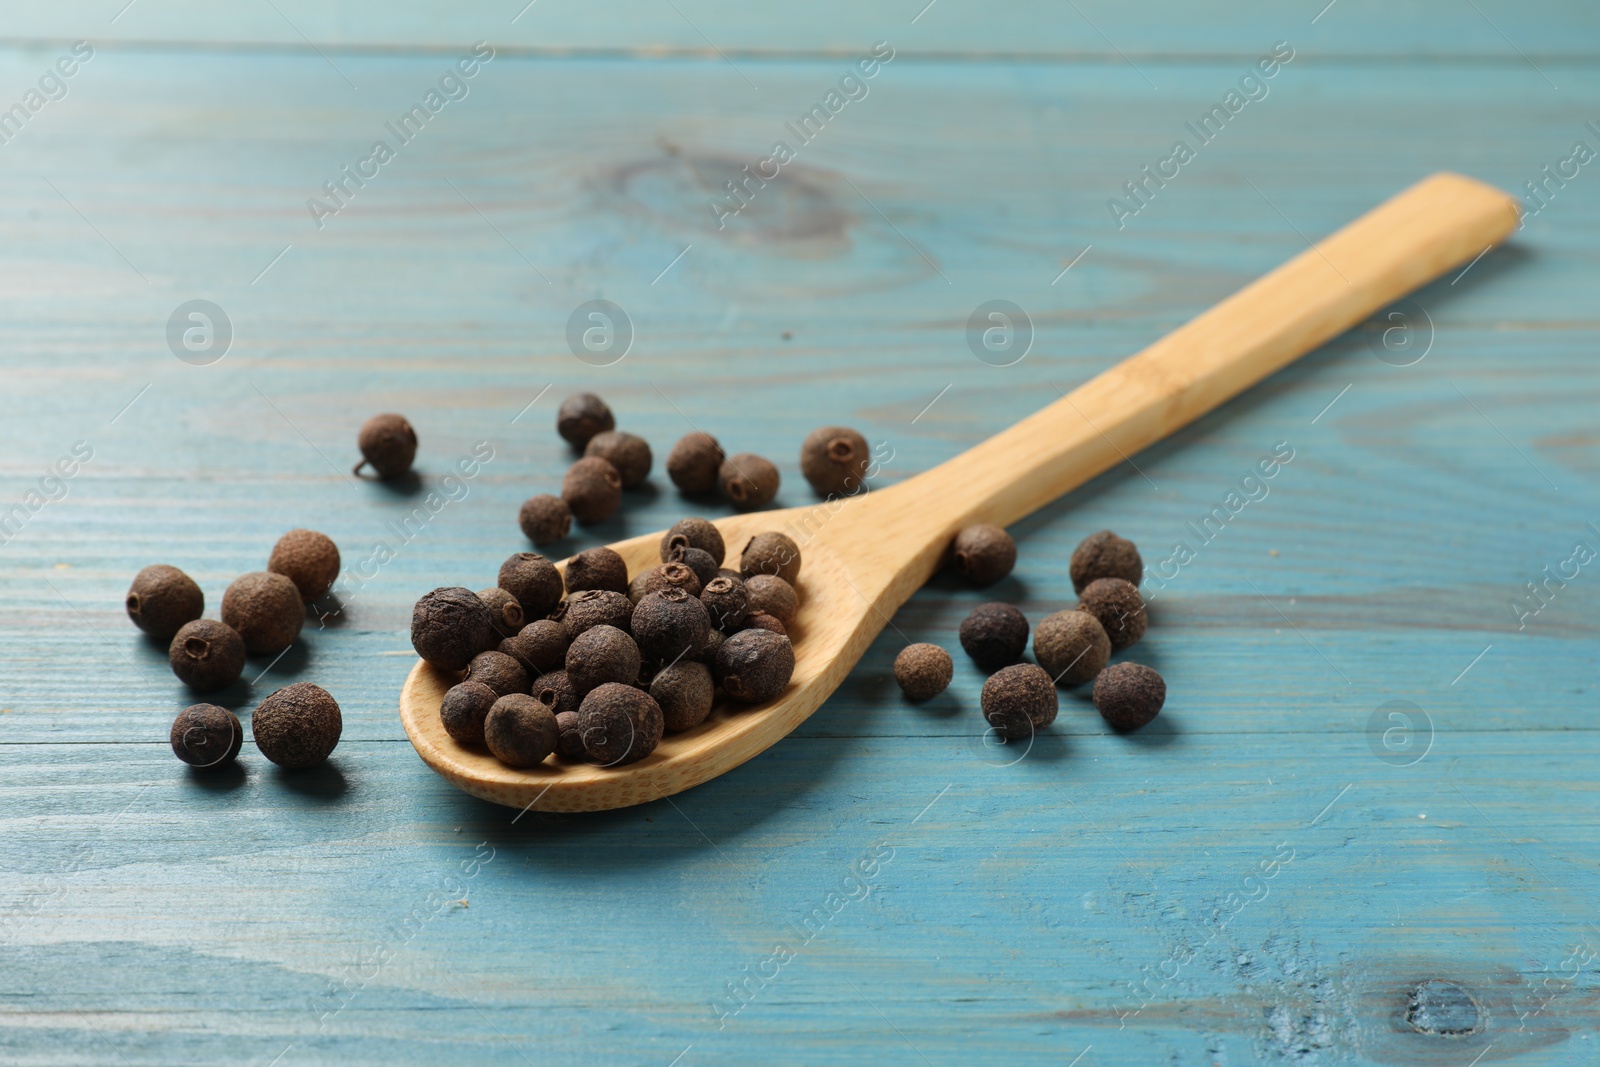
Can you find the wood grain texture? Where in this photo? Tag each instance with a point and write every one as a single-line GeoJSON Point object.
{"type": "Point", "coordinates": [372, 913]}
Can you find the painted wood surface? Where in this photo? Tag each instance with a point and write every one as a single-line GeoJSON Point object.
{"type": "Point", "coordinates": [883, 883]}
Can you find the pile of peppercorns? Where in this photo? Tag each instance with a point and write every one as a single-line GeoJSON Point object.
{"type": "Point", "coordinates": [1071, 646]}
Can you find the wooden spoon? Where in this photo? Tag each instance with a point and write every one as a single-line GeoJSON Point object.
{"type": "Point", "coordinates": [862, 557]}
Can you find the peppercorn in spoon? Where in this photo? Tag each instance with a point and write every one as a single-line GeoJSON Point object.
{"type": "Point", "coordinates": [862, 557]}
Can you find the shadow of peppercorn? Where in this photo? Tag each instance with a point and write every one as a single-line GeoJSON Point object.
{"type": "Point", "coordinates": [326, 612]}
{"type": "Point", "coordinates": [323, 783]}
{"type": "Point", "coordinates": [217, 779]}
{"type": "Point", "coordinates": [406, 485]}
{"type": "Point", "coordinates": [278, 670]}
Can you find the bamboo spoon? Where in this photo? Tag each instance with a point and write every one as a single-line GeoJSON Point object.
{"type": "Point", "coordinates": [864, 556]}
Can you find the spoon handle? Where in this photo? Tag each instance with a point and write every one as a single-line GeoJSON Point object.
{"type": "Point", "coordinates": [1409, 240]}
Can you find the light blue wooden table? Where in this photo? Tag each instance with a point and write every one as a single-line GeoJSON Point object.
{"type": "Point", "coordinates": [1276, 871]}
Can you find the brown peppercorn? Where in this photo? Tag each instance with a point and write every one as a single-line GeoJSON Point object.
{"type": "Point", "coordinates": [1129, 695]}
{"type": "Point", "coordinates": [544, 519]}
{"type": "Point", "coordinates": [463, 710]}
{"type": "Point", "coordinates": [684, 692]}
{"type": "Point", "coordinates": [499, 672]}
{"type": "Point", "coordinates": [770, 594]}
{"type": "Point", "coordinates": [748, 481]}
{"type": "Point", "coordinates": [984, 554]}
{"type": "Point", "coordinates": [698, 560]}
{"type": "Point", "coordinates": [266, 610]}
{"type": "Point", "coordinates": [162, 598]}
{"type": "Point", "coordinates": [592, 488]}
{"type": "Point", "coordinates": [540, 646]}
{"type": "Point", "coordinates": [449, 626]}
{"type": "Point", "coordinates": [1105, 555]}
{"type": "Point", "coordinates": [597, 568]}
{"type": "Point", "coordinates": [834, 459]}
{"type": "Point", "coordinates": [388, 445]}
{"type": "Point", "coordinates": [520, 730]}
{"type": "Point", "coordinates": [726, 603]}
{"type": "Point", "coordinates": [666, 576]}
{"type": "Point", "coordinates": [627, 452]}
{"type": "Point", "coordinates": [298, 726]}
{"type": "Point", "coordinates": [534, 581]}
{"type": "Point", "coordinates": [1071, 646]}
{"type": "Point", "coordinates": [581, 416]}
{"type": "Point", "coordinates": [557, 690]}
{"type": "Point", "coordinates": [923, 671]}
{"type": "Point", "coordinates": [569, 744]}
{"type": "Point", "coordinates": [754, 665]}
{"type": "Point", "coordinates": [599, 655]}
{"type": "Point", "coordinates": [707, 652]}
{"type": "Point", "coordinates": [771, 553]}
{"type": "Point", "coordinates": [619, 724]}
{"type": "Point", "coordinates": [308, 559]}
{"type": "Point", "coordinates": [206, 655]}
{"type": "Point", "coordinates": [760, 620]}
{"type": "Point", "coordinates": [994, 635]}
{"type": "Point", "coordinates": [596, 607]}
{"type": "Point", "coordinates": [504, 609]}
{"type": "Point", "coordinates": [696, 533]}
{"type": "Point", "coordinates": [670, 624]}
{"type": "Point", "coordinates": [1119, 607]}
{"type": "Point", "coordinates": [693, 463]}
{"type": "Point", "coordinates": [205, 736]}
{"type": "Point", "coordinates": [1018, 701]}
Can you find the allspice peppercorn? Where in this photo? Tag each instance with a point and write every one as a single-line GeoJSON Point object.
{"type": "Point", "coordinates": [1071, 646]}
{"type": "Point", "coordinates": [668, 575]}
{"type": "Point", "coordinates": [923, 671]}
{"type": "Point", "coordinates": [592, 488]}
{"type": "Point", "coordinates": [557, 690]}
{"type": "Point", "coordinates": [619, 724]}
{"type": "Point", "coordinates": [726, 603]}
{"type": "Point", "coordinates": [670, 624]}
{"type": "Point", "coordinates": [266, 610]}
{"type": "Point", "coordinates": [1018, 701]}
{"type": "Point", "coordinates": [597, 568]}
{"type": "Point", "coordinates": [834, 459]}
{"type": "Point", "coordinates": [772, 595]}
{"type": "Point", "coordinates": [1129, 695]}
{"type": "Point", "coordinates": [504, 609]}
{"type": "Point", "coordinates": [760, 620]}
{"type": "Point", "coordinates": [994, 635]}
{"type": "Point", "coordinates": [984, 554]}
{"type": "Point", "coordinates": [205, 736]}
{"type": "Point", "coordinates": [520, 730]}
{"type": "Point", "coordinates": [544, 519]}
{"type": "Point", "coordinates": [627, 452]}
{"type": "Point", "coordinates": [1105, 555]}
{"type": "Point", "coordinates": [1119, 607]}
{"type": "Point", "coordinates": [754, 665]}
{"type": "Point", "coordinates": [161, 599]}
{"type": "Point", "coordinates": [388, 445]}
{"type": "Point", "coordinates": [748, 481]}
{"type": "Point", "coordinates": [569, 742]}
{"type": "Point", "coordinates": [581, 416]}
{"type": "Point", "coordinates": [696, 533]}
{"type": "Point", "coordinates": [534, 581]}
{"type": "Point", "coordinates": [463, 710]}
{"type": "Point", "coordinates": [596, 607]}
{"type": "Point", "coordinates": [599, 655]}
{"type": "Point", "coordinates": [707, 652]}
{"type": "Point", "coordinates": [540, 646]}
{"type": "Point", "coordinates": [698, 560]}
{"type": "Point", "coordinates": [693, 463]}
{"type": "Point", "coordinates": [499, 672]}
{"type": "Point", "coordinates": [206, 655]}
{"type": "Point", "coordinates": [684, 692]}
{"type": "Point", "coordinates": [298, 726]}
{"type": "Point", "coordinates": [771, 553]}
{"type": "Point", "coordinates": [308, 559]}
{"type": "Point", "coordinates": [449, 626]}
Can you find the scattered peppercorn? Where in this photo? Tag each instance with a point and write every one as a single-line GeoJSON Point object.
{"type": "Point", "coordinates": [770, 594]}
{"type": "Point", "coordinates": [760, 620]}
{"type": "Point", "coordinates": [581, 416]}
{"type": "Point", "coordinates": [754, 665]}
{"type": "Point", "coordinates": [1071, 646]}
{"type": "Point", "coordinates": [1118, 606]}
{"type": "Point", "coordinates": [748, 480]}
{"type": "Point", "coordinates": [666, 576]}
{"type": "Point", "coordinates": [505, 611]}
{"type": "Point", "coordinates": [534, 581]}
{"type": "Point", "coordinates": [499, 672]}
{"type": "Point", "coordinates": [994, 635]}
{"type": "Point", "coordinates": [684, 692]}
{"type": "Point", "coordinates": [698, 560]}
{"type": "Point", "coordinates": [592, 488]}
{"type": "Point", "coordinates": [206, 655]}
{"type": "Point", "coordinates": [1018, 701]}
{"type": "Point", "coordinates": [297, 726]}
{"type": "Point", "coordinates": [1105, 555]}
{"type": "Point", "coordinates": [544, 518]}
{"type": "Point", "coordinates": [557, 690]}
{"type": "Point", "coordinates": [569, 743]}
{"type": "Point", "coordinates": [265, 609]}
{"type": "Point", "coordinates": [596, 607]}
{"type": "Point", "coordinates": [597, 568]}
{"type": "Point", "coordinates": [449, 626]}
{"type": "Point", "coordinates": [771, 553]}
{"type": "Point", "coordinates": [834, 459]}
{"type": "Point", "coordinates": [308, 559]}
{"type": "Point", "coordinates": [206, 736]}
{"type": "Point", "coordinates": [599, 655]}
{"type": "Point", "coordinates": [726, 603]}
{"type": "Point", "coordinates": [388, 445]}
{"type": "Point", "coordinates": [162, 598]}
{"type": "Point", "coordinates": [923, 671]}
{"type": "Point", "coordinates": [1129, 695]}
{"type": "Point", "coordinates": [619, 724]}
{"type": "Point", "coordinates": [627, 452]}
{"type": "Point", "coordinates": [670, 624]}
{"type": "Point", "coordinates": [463, 710]}
{"type": "Point", "coordinates": [693, 463]}
{"type": "Point", "coordinates": [540, 646]}
{"type": "Point", "coordinates": [520, 730]}
{"type": "Point", "coordinates": [696, 533]}
{"type": "Point", "coordinates": [984, 554]}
